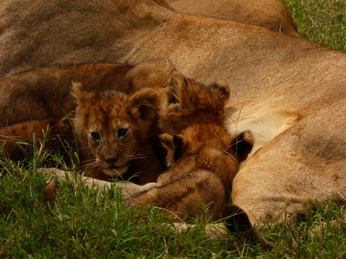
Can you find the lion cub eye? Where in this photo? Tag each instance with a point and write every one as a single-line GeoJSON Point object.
{"type": "Point", "coordinates": [122, 132]}
{"type": "Point", "coordinates": [95, 136]}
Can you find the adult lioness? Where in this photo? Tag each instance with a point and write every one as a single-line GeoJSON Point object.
{"type": "Point", "coordinates": [270, 14]}
{"type": "Point", "coordinates": [294, 88]}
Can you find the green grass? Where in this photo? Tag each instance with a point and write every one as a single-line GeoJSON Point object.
{"type": "Point", "coordinates": [88, 224]}
{"type": "Point", "coordinates": [322, 21]}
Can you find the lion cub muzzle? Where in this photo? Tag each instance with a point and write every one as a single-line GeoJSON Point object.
{"type": "Point", "coordinates": [113, 165]}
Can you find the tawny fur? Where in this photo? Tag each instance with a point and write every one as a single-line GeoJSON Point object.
{"type": "Point", "coordinates": [188, 102]}
{"type": "Point", "coordinates": [126, 188]}
{"type": "Point", "coordinates": [266, 71]}
{"type": "Point", "coordinates": [122, 125]}
{"type": "Point", "coordinates": [270, 14]}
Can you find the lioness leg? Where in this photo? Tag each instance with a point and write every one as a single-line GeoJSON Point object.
{"type": "Point", "coordinates": [126, 188]}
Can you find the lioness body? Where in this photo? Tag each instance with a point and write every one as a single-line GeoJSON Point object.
{"type": "Point", "coordinates": [270, 14]}
{"type": "Point", "coordinates": [271, 75]}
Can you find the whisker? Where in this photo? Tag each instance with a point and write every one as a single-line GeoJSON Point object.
{"type": "Point", "coordinates": [91, 163]}
{"type": "Point", "coordinates": [229, 154]}
{"type": "Point", "coordinates": [134, 157]}
{"type": "Point", "coordinates": [144, 148]}
{"type": "Point", "coordinates": [138, 154]}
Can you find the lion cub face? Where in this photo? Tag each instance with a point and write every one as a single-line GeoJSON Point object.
{"type": "Point", "coordinates": [112, 128]}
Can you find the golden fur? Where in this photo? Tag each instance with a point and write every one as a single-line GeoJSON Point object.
{"type": "Point", "coordinates": [270, 14]}
{"type": "Point", "coordinates": [113, 129]}
{"type": "Point", "coordinates": [126, 188]}
{"type": "Point", "coordinates": [269, 74]}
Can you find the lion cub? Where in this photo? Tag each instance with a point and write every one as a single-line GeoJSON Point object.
{"type": "Point", "coordinates": [203, 161]}
{"type": "Point", "coordinates": [111, 130]}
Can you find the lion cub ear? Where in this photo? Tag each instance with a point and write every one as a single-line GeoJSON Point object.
{"type": "Point", "coordinates": [79, 93]}
{"type": "Point", "coordinates": [144, 104]}
{"type": "Point", "coordinates": [242, 145]}
{"type": "Point", "coordinates": [179, 89]}
{"type": "Point", "coordinates": [174, 146]}
{"type": "Point", "coordinates": [223, 91]}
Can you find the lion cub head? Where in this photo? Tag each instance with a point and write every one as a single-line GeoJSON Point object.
{"type": "Point", "coordinates": [206, 146]}
{"type": "Point", "coordinates": [112, 128]}
{"type": "Point", "coordinates": [188, 102]}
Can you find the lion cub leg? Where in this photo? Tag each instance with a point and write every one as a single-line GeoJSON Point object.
{"type": "Point", "coordinates": [187, 196]}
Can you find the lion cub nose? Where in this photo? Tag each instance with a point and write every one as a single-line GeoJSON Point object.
{"type": "Point", "coordinates": [111, 160]}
